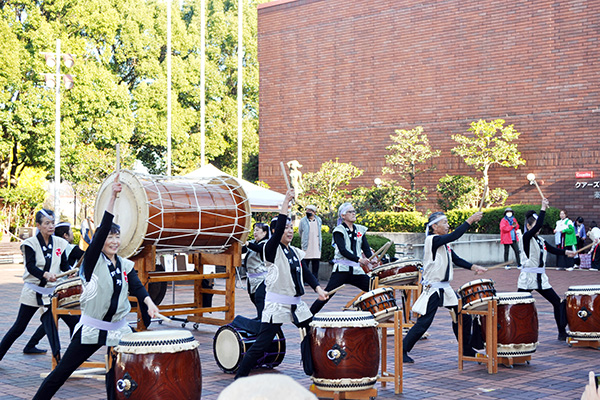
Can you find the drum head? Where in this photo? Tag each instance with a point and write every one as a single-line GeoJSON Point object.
{"type": "Point", "coordinates": [147, 342]}
{"type": "Point", "coordinates": [344, 319]}
{"type": "Point", "coordinates": [373, 293]}
{"type": "Point", "coordinates": [131, 210]}
{"type": "Point", "coordinates": [228, 349]}
{"type": "Point", "coordinates": [476, 282]}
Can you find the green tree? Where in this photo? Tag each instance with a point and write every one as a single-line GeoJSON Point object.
{"type": "Point", "coordinates": [491, 144]}
{"type": "Point", "coordinates": [120, 85]}
{"type": "Point", "coordinates": [326, 187]}
{"type": "Point", "coordinates": [411, 149]}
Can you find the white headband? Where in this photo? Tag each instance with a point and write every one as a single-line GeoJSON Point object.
{"type": "Point", "coordinates": [45, 214]}
{"type": "Point", "coordinates": [344, 208]}
{"type": "Point", "coordinates": [435, 221]}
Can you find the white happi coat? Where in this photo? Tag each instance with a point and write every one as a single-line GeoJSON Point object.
{"type": "Point", "coordinates": [537, 253]}
{"type": "Point", "coordinates": [28, 296]}
{"type": "Point", "coordinates": [279, 281]}
{"type": "Point", "coordinates": [434, 271]}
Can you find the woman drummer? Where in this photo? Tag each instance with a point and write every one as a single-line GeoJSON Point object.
{"type": "Point", "coordinates": [284, 288]}
{"type": "Point", "coordinates": [437, 275]}
{"type": "Point", "coordinates": [533, 274]}
{"type": "Point", "coordinates": [350, 244]}
{"type": "Point", "coordinates": [256, 269]}
{"type": "Point", "coordinates": [108, 280]}
{"type": "Point", "coordinates": [45, 256]}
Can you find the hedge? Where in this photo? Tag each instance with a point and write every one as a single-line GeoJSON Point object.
{"type": "Point", "coordinates": [490, 223]}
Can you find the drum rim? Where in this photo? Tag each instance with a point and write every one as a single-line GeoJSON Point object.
{"type": "Point", "coordinates": [385, 267]}
{"type": "Point", "coordinates": [241, 349]}
{"type": "Point", "coordinates": [68, 282]}
{"type": "Point", "coordinates": [475, 282]}
{"type": "Point", "coordinates": [343, 319]}
{"type": "Point", "coordinates": [474, 304]}
{"type": "Point", "coordinates": [584, 288]}
{"type": "Point", "coordinates": [372, 293]}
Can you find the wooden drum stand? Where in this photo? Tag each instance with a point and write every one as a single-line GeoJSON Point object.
{"type": "Point", "coordinates": [491, 337]}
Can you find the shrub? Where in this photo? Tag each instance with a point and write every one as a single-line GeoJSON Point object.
{"type": "Point", "coordinates": [411, 221]}
{"type": "Point", "coordinates": [457, 191]}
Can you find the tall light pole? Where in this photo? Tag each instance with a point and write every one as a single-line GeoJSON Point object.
{"type": "Point", "coordinates": [240, 91]}
{"type": "Point", "coordinates": [202, 82]}
{"type": "Point", "coordinates": [169, 87]}
{"type": "Point", "coordinates": [53, 60]}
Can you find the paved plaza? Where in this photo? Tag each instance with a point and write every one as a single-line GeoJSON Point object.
{"type": "Point", "coordinates": [557, 371]}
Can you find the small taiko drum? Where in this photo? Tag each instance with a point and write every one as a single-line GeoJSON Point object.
{"type": "Point", "coordinates": [583, 312]}
{"type": "Point", "coordinates": [177, 214]}
{"type": "Point", "coordinates": [230, 344]}
{"type": "Point", "coordinates": [158, 365]}
{"type": "Point", "coordinates": [476, 294]}
{"type": "Point", "coordinates": [380, 302]}
{"type": "Point", "coordinates": [68, 292]}
{"type": "Point", "coordinates": [517, 324]}
{"type": "Point", "coordinates": [345, 350]}
{"type": "Point", "coordinates": [403, 272]}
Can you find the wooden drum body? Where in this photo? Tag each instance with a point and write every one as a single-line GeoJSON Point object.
{"type": "Point", "coordinates": [345, 350]}
{"type": "Point", "coordinates": [380, 302]}
{"type": "Point", "coordinates": [517, 324]}
{"type": "Point", "coordinates": [177, 214]}
{"type": "Point", "coordinates": [583, 312]}
{"type": "Point", "coordinates": [475, 294]}
{"type": "Point", "coordinates": [68, 293]}
{"type": "Point", "coordinates": [158, 365]}
{"type": "Point", "coordinates": [230, 344]}
{"type": "Point", "coordinates": [403, 272]}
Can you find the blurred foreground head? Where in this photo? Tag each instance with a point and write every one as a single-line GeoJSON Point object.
{"type": "Point", "coordinates": [266, 387]}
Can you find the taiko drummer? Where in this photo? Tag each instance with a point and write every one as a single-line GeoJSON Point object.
{"type": "Point", "coordinates": [284, 287]}
{"type": "Point", "coordinates": [437, 275]}
{"type": "Point", "coordinates": [533, 273]}
{"type": "Point", "coordinates": [45, 256]}
{"type": "Point", "coordinates": [108, 280]}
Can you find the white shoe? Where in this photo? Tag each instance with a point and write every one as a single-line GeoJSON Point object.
{"type": "Point", "coordinates": [570, 269]}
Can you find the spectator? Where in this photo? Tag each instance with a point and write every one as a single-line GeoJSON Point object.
{"type": "Point", "coordinates": [580, 236]}
{"type": "Point", "coordinates": [564, 235]}
{"type": "Point", "coordinates": [310, 233]}
{"type": "Point", "coordinates": [595, 236]}
{"type": "Point", "coordinates": [508, 234]}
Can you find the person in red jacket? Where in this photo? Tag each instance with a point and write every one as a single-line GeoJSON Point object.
{"type": "Point", "coordinates": [508, 234]}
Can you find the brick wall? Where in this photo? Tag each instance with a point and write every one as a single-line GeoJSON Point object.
{"type": "Point", "coordinates": [337, 78]}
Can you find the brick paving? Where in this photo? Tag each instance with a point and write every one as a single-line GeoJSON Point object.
{"type": "Point", "coordinates": [557, 371]}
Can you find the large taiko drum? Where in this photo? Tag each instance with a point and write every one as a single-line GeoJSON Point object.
{"type": "Point", "coordinates": [517, 324]}
{"type": "Point", "coordinates": [402, 272]}
{"type": "Point", "coordinates": [177, 214]}
{"type": "Point", "coordinates": [380, 302]}
{"type": "Point", "coordinates": [476, 294]}
{"type": "Point", "coordinates": [231, 343]}
{"type": "Point", "coordinates": [583, 312]}
{"type": "Point", "coordinates": [158, 365]}
{"type": "Point", "coordinates": [345, 350]}
{"type": "Point", "coordinates": [68, 292]}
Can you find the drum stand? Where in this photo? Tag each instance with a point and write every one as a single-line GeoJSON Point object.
{"type": "Point", "coordinates": [230, 258]}
{"type": "Point", "coordinates": [95, 369]}
{"type": "Point", "coordinates": [412, 294]}
{"type": "Point", "coordinates": [573, 342]}
{"type": "Point", "coordinates": [396, 377]}
{"type": "Point", "coordinates": [354, 394]}
{"type": "Point", "coordinates": [491, 337]}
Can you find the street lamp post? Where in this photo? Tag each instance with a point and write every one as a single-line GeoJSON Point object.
{"type": "Point", "coordinates": [53, 60]}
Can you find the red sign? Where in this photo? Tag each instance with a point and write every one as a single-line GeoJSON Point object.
{"type": "Point", "coordinates": [584, 174]}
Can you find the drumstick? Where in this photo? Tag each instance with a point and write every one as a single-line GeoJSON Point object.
{"type": "Point", "coordinates": [287, 182]}
{"type": "Point", "coordinates": [589, 246]}
{"type": "Point", "coordinates": [504, 264]}
{"type": "Point", "coordinates": [485, 189]}
{"type": "Point", "coordinates": [385, 248]}
{"type": "Point", "coordinates": [69, 272]}
{"type": "Point", "coordinates": [118, 159]}
{"type": "Point", "coordinates": [335, 290]}
{"type": "Point", "coordinates": [376, 254]}
{"type": "Point", "coordinates": [531, 179]}
{"type": "Point", "coordinates": [165, 319]}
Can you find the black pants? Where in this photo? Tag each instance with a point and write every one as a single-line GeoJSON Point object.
{"type": "Point", "coordinates": [258, 299]}
{"type": "Point", "coordinates": [70, 320]}
{"type": "Point", "coordinates": [424, 322]}
{"type": "Point", "coordinates": [313, 264]}
{"type": "Point", "coordinates": [24, 316]}
{"type": "Point", "coordinates": [263, 340]}
{"type": "Point", "coordinates": [361, 281]}
{"type": "Point", "coordinates": [554, 299]}
{"type": "Point", "coordinates": [515, 247]}
{"type": "Point", "coordinates": [75, 355]}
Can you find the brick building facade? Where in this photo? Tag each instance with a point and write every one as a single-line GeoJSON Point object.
{"type": "Point", "coordinates": [337, 78]}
